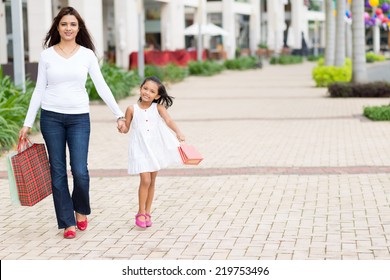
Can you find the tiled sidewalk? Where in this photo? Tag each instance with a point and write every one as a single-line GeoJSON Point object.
{"type": "Point", "coordinates": [288, 174]}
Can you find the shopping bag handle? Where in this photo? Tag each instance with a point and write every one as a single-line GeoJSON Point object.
{"type": "Point", "coordinates": [23, 144]}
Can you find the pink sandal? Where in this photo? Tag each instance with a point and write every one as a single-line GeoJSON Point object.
{"type": "Point", "coordinates": [149, 221]}
{"type": "Point", "coordinates": [138, 222]}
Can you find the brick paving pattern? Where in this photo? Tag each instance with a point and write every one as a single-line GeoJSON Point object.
{"type": "Point", "coordinates": [288, 174]}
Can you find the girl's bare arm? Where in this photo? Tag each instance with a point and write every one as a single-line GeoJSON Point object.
{"type": "Point", "coordinates": [170, 123]}
{"type": "Point", "coordinates": [129, 118]}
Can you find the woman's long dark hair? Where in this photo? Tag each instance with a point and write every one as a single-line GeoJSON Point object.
{"type": "Point", "coordinates": [83, 38]}
{"type": "Point", "coordinates": [165, 99]}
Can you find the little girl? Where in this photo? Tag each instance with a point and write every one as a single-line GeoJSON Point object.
{"type": "Point", "coordinates": [152, 144]}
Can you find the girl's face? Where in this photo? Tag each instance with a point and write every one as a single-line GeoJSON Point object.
{"type": "Point", "coordinates": [68, 28]}
{"type": "Point", "coordinates": [149, 91]}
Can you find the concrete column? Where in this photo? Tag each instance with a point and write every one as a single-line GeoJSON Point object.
{"type": "Point", "coordinates": [57, 5]}
{"type": "Point", "coordinates": [229, 24]}
{"type": "Point", "coordinates": [3, 35]}
{"type": "Point", "coordinates": [107, 10]}
{"type": "Point", "coordinates": [254, 26]}
{"type": "Point", "coordinates": [179, 15]}
{"type": "Point", "coordinates": [172, 25]}
{"type": "Point", "coordinates": [39, 18]}
{"type": "Point", "coordinates": [322, 34]}
{"type": "Point", "coordinates": [297, 17]}
{"type": "Point", "coordinates": [376, 38]}
{"type": "Point", "coordinates": [276, 24]}
{"type": "Point", "coordinates": [92, 13]}
{"type": "Point", "coordinates": [126, 31]}
{"type": "Point", "coordinates": [300, 24]}
{"type": "Point", "coordinates": [165, 25]}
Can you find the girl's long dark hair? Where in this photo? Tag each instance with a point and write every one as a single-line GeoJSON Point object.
{"type": "Point", "coordinates": [165, 99]}
{"type": "Point", "coordinates": [83, 38]}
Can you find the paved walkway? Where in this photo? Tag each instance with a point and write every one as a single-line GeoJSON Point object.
{"type": "Point", "coordinates": [288, 174]}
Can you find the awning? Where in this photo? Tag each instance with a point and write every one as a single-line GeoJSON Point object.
{"type": "Point", "coordinates": [206, 29]}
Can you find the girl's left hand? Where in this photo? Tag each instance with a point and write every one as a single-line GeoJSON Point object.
{"type": "Point", "coordinates": [180, 137]}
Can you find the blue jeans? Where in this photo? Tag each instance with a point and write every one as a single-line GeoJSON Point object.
{"type": "Point", "coordinates": [60, 130]}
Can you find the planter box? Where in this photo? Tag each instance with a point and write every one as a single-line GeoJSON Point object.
{"type": "Point", "coordinates": [264, 53]}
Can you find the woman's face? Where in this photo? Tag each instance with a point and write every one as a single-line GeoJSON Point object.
{"type": "Point", "coordinates": [68, 28]}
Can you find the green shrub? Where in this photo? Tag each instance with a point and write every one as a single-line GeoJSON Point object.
{"type": "Point", "coordinates": [153, 70]}
{"type": "Point", "coordinates": [372, 57]}
{"type": "Point", "coordinates": [325, 75]}
{"type": "Point", "coordinates": [118, 80]}
{"type": "Point", "coordinates": [169, 73]}
{"type": "Point", "coordinates": [198, 69]}
{"type": "Point", "coordinates": [204, 68]}
{"type": "Point", "coordinates": [173, 73]}
{"type": "Point", "coordinates": [13, 108]}
{"type": "Point", "coordinates": [286, 59]}
{"type": "Point", "coordinates": [340, 90]}
{"type": "Point", "coordinates": [241, 63]}
{"type": "Point", "coordinates": [373, 89]}
{"type": "Point", "coordinates": [314, 58]}
{"type": "Point", "coordinates": [377, 113]}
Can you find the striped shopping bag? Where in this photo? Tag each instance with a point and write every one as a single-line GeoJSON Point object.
{"type": "Point", "coordinates": [32, 172]}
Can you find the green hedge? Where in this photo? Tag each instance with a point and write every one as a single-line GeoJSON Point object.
{"type": "Point", "coordinates": [325, 75]}
{"type": "Point", "coordinates": [242, 63]}
{"type": "Point", "coordinates": [204, 68]}
{"type": "Point", "coordinates": [169, 73]}
{"type": "Point", "coordinates": [372, 57]}
{"type": "Point", "coordinates": [373, 89]}
{"type": "Point", "coordinates": [286, 59]}
{"type": "Point", "coordinates": [120, 82]}
{"type": "Point", "coordinates": [377, 113]}
{"type": "Point", "coordinates": [13, 108]}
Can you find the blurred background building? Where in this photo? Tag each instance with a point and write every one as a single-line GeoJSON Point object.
{"type": "Point", "coordinates": [279, 25]}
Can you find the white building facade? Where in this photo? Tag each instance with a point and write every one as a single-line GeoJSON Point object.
{"type": "Point", "coordinates": [114, 25]}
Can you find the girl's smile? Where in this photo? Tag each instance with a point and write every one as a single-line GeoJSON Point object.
{"type": "Point", "coordinates": [149, 91]}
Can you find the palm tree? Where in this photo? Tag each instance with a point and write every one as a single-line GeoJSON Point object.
{"type": "Point", "coordinates": [359, 71]}
{"type": "Point", "coordinates": [340, 37]}
{"type": "Point", "coordinates": [330, 33]}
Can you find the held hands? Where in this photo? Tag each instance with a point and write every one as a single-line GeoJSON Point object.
{"type": "Point", "coordinates": [121, 126]}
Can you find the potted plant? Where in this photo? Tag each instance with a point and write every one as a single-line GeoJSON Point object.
{"type": "Point", "coordinates": [263, 50]}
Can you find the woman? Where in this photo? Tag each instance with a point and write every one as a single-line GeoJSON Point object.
{"type": "Point", "coordinates": [60, 93]}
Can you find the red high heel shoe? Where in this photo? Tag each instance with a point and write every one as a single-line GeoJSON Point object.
{"type": "Point", "coordinates": [69, 234]}
{"type": "Point", "coordinates": [82, 225]}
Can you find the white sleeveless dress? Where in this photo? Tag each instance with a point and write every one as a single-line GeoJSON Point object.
{"type": "Point", "coordinates": [152, 144]}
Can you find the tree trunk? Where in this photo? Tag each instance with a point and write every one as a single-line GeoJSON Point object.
{"type": "Point", "coordinates": [359, 71]}
{"type": "Point", "coordinates": [340, 37]}
{"type": "Point", "coordinates": [330, 33]}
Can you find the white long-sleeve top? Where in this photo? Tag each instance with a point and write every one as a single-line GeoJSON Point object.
{"type": "Point", "coordinates": [61, 82]}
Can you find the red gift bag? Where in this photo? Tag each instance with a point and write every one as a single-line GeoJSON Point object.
{"type": "Point", "coordinates": [32, 172]}
{"type": "Point", "coordinates": [189, 154]}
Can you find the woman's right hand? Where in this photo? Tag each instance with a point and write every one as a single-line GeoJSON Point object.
{"type": "Point", "coordinates": [24, 132]}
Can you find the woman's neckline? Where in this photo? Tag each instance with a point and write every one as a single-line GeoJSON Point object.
{"type": "Point", "coordinates": [67, 58]}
